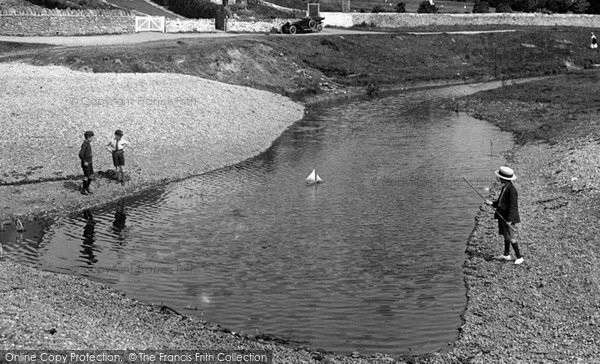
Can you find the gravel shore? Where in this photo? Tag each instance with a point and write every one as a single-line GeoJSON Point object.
{"type": "Point", "coordinates": [43, 310]}
{"type": "Point", "coordinates": [177, 125]}
{"type": "Point", "coordinates": [545, 310]}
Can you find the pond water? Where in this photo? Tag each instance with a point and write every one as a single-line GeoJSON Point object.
{"type": "Point", "coordinates": [370, 260]}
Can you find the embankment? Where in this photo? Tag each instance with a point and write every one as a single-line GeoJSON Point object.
{"type": "Point", "coordinates": [302, 67]}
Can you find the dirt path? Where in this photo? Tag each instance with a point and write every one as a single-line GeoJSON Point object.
{"type": "Point", "coordinates": [132, 38]}
{"type": "Point", "coordinates": [467, 32]}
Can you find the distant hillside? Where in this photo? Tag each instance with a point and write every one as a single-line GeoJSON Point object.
{"type": "Point", "coordinates": [72, 4]}
{"type": "Point", "coordinates": [143, 7]}
{"type": "Point", "coordinates": [140, 7]}
{"type": "Point", "coordinates": [17, 4]}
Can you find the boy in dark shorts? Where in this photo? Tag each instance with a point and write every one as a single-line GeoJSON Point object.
{"type": "Point", "coordinates": [85, 155]}
{"type": "Point", "coordinates": [507, 213]}
{"type": "Point", "coordinates": [117, 148]}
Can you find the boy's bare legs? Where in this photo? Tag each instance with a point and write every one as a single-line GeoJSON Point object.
{"type": "Point", "coordinates": [120, 176]}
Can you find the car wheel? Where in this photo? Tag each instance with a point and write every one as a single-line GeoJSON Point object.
{"type": "Point", "coordinates": [293, 29]}
{"type": "Point", "coordinates": [312, 24]}
{"type": "Point", "coordinates": [319, 27]}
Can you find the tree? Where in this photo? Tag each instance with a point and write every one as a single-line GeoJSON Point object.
{"type": "Point", "coordinates": [557, 6]}
{"type": "Point", "coordinates": [503, 8]}
{"type": "Point", "coordinates": [378, 9]}
{"type": "Point", "coordinates": [594, 7]}
{"type": "Point", "coordinates": [426, 7]}
{"type": "Point", "coordinates": [401, 7]}
{"type": "Point", "coordinates": [481, 7]}
{"type": "Point", "coordinates": [579, 6]}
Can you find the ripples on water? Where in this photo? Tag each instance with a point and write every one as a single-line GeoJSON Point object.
{"type": "Point", "coordinates": [370, 260]}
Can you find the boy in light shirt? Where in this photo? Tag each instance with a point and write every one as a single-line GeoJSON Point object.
{"type": "Point", "coordinates": [117, 148]}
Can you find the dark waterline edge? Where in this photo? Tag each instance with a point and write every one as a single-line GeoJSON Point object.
{"type": "Point", "coordinates": [311, 105]}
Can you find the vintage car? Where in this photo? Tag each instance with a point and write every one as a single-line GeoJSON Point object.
{"type": "Point", "coordinates": [308, 24]}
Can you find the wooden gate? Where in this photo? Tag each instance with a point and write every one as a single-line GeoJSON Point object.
{"type": "Point", "coordinates": [150, 24]}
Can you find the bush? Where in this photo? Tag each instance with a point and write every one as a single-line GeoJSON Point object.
{"type": "Point", "coordinates": [378, 9]}
{"type": "Point", "coordinates": [503, 8]}
{"type": "Point", "coordinates": [557, 6]}
{"type": "Point", "coordinates": [196, 9]}
{"type": "Point", "coordinates": [426, 7]}
{"type": "Point", "coordinates": [401, 7]}
{"type": "Point", "coordinates": [164, 3]}
{"type": "Point", "coordinates": [594, 7]}
{"type": "Point", "coordinates": [481, 7]}
{"type": "Point", "coordinates": [522, 5]}
{"type": "Point", "coordinates": [579, 6]}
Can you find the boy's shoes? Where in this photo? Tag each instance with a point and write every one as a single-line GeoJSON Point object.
{"type": "Point", "coordinates": [503, 257]}
{"type": "Point", "coordinates": [84, 192]}
{"type": "Point", "coordinates": [88, 192]}
{"type": "Point", "coordinates": [519, 261]}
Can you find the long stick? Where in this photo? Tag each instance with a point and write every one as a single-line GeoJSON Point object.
{"type": "Point", "coordinates": [484, 199]}
{"type": "Point", "coordinates": [474, 189]}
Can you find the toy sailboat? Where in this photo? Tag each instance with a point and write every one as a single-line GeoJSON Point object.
{"type": "Point", "coordinates": [313, 178]}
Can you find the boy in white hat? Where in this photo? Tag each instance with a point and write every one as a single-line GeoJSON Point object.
{"type": "Point", "coordinates": [507, 213]}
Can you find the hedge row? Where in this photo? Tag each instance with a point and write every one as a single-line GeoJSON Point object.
{"type": "Point", "coordinates": [196, 9]}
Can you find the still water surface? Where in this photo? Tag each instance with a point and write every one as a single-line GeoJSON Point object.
{"type": "Point", "coordinates": [370, 260]}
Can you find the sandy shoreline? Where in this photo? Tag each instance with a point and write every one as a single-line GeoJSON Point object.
{"type": "Point", "coordinates": [176, 124]}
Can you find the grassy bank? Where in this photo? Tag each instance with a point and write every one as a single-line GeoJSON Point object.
{"type": "Point", "coordinates": [560, 108]}
{"type": "Point", "coordinates": [302, 67]}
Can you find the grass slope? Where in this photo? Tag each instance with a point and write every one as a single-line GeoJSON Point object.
{"type": "Point", "coordinates": [142, 7]}
{"type": "Point", "coordinates": [299, 65]}
{"type": "Point", "coordinates": [551, 110]}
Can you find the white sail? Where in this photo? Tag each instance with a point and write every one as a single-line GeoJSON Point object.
{"type": "Point", "coordinates": [313, 177]}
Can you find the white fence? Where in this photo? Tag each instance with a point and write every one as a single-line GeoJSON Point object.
{"type": "Point", "coordinates": [150, 24]}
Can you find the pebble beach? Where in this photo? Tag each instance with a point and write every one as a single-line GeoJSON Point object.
{"type": "Point", "coordinates": [545, 310]}
{"type": "Point", "coordinates": [177, 126]}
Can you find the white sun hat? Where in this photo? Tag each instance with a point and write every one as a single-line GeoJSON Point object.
{"type": "Point", "coordinates": [506, 173]}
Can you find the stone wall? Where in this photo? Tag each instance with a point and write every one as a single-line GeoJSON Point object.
{"type": "Point", "coordinates": [395, 20]}
{"type": "Point", "coordinates": [65, 22]}
{"type": "Point", "coordinates": [189, 25]}
{"type": "Point", "coordinates": [32, 22]}
{"type": "Point", "coordinates": [257, 26]}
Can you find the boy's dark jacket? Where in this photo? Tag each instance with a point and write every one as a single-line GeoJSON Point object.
{"type": "Point", "coordinates": [507, 204]}
{"type": "Point", "coordinates": [85, 153]}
